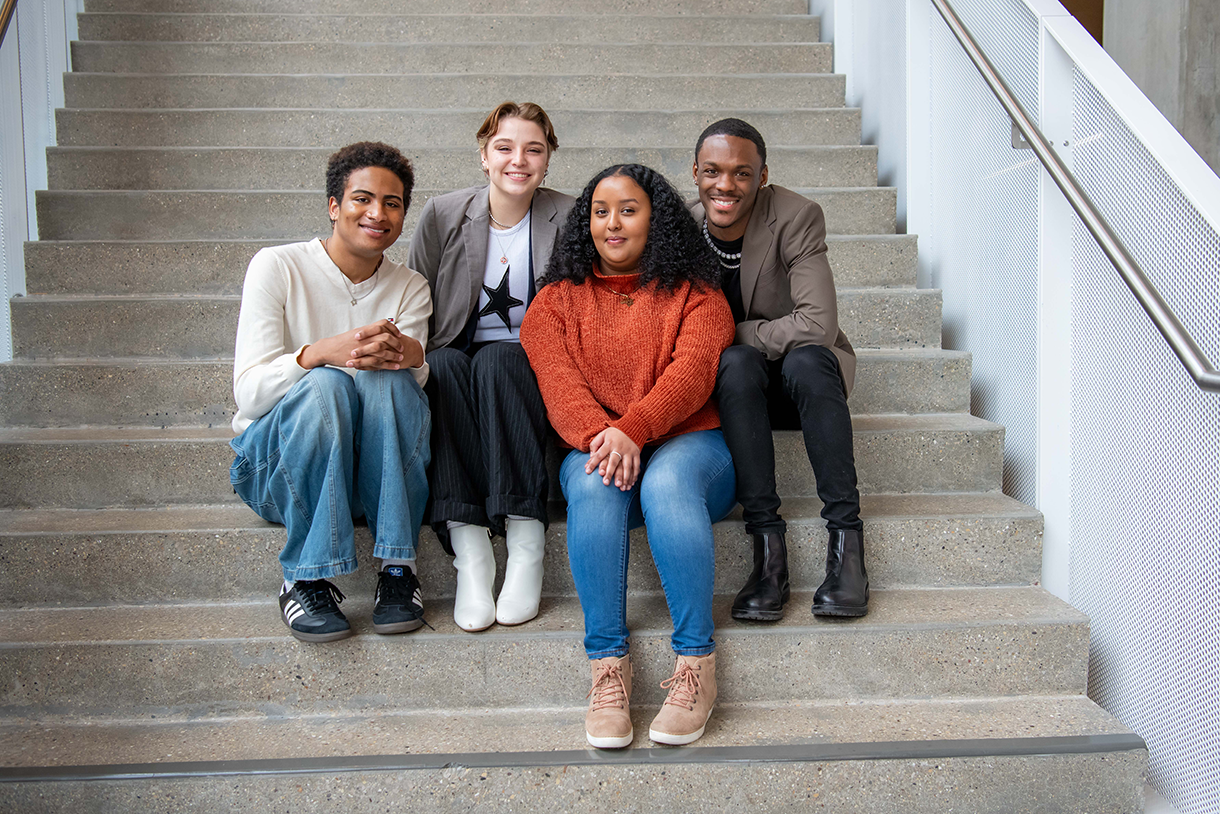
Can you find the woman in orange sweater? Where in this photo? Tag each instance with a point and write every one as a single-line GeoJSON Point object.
{"type": "Point", "coordinates": [625, 338]}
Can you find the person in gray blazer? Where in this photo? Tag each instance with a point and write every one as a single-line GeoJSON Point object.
{"type": "Point", "coordinates": [481, 250]}
{"type": "Point", "coordinates": [790, 365]}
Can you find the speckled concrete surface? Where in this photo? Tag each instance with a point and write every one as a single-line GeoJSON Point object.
{"type": "Point", "coordinates": [483, 57]}
{"type": "Point", "coordinates": [448, 127]}
{"type": "Point", "coordinates": [192, 327]}
{"type": "Point", "coordinates": [170, 392]}
{"type": "Point", "coordinates": [218, 267]}
{"type": "Point", "coordinates": [869, 260]}
{"type": "Point", "coordinates": [227, 552]}
{"type": "Point", "coordinates": [423, 89]}
{"type": "Point", "coordinates": [440, 28]}
{"type": "Point", "coordinates": [91, 468]}
{"type": "Point", "coordinates": [224, 659]}
{"type": "Point", "coordinates": [128, 327]}
{"type": "Point", "coordinates": [540, 730]}
{"type": "Point", "coordinates": [123, 393]}
{"type": "Point", "coordinates": [288, 216]}
{"type": "Point", "coordinates": [645, 7]}
{"type": "Point", "coordinates": [102, 467]}
{"type": "Point", "coordinates": [1071, 784]}
{"type": "Point", "coordinates": [436, 168]}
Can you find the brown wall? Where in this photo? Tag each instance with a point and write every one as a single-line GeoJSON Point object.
{"type": "Point", "coordinates": [1089, 13]}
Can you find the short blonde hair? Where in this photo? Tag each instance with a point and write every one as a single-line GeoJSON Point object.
{"type": "Point", "coordinates": [528, 111]}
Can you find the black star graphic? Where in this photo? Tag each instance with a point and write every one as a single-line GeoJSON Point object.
{"type": "Point", "coordinates": [499, 301]}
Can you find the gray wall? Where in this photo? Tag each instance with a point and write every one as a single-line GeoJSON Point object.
{"type": "Point", "coordinates": [1168, 48]}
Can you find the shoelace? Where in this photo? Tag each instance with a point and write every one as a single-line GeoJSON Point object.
{"type": "Point", "coordinates": [319, 596]}
{"type": "Point", "coordinates": [400, 591]}
{"type": "Point", "coordinates": [683, 686]}
{"type": "Point", "coordinates": [608, 689]}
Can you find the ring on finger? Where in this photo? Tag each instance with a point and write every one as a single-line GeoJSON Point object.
{"type": "Point", "coordinates": [616, 452]}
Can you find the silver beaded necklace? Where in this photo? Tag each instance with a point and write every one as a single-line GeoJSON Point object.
{"type": "Point", "coordinates": [723, 256]}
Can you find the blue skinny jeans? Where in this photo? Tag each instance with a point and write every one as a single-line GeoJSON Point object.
{"type": "Point", "coordinates": [335, 448]}
{"type": "Point", "coordinates": [687, 484]}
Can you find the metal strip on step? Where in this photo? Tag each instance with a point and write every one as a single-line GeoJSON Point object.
{"type": "Point", "coordinates": [786, 753]}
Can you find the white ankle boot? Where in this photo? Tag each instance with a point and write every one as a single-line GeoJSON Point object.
{"type": "Point", "coordinates": [473, 606]}
{"type": "Point", "coordinates": [518, 600]}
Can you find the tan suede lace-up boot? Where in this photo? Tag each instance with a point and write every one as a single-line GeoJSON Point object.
{"type": "Point", "coordinates": [692, 694]}
{"type": "Point", "coordinates": [608, 721]}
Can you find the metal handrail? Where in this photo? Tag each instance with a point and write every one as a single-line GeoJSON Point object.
{"type": "Point", "coordinates": [1197, 365]}
{"type": "Point", "coordinates": [6, 15]}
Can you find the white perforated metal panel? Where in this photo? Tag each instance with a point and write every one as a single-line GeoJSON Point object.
{"type": "Point", "coordinates": [1145, 557]}
{"type": "Point", "coordinates": [983, 247]}
{"type": "Point", "coordinates": [1007, 31]}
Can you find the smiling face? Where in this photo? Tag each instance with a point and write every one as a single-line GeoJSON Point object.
{"type": "Point", "coordinates": [516, 157]}
{"type": "Point", "coordinates": [729, 172]}
{"type": "Point", "coordinates": [618, 220]}
{"type": "Point", "coordinates": [369, 218]}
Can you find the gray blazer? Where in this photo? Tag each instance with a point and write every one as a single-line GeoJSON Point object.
{"type": "Point", "coordinates": [786, 285]}
{"type": "Point", "coordinates": [449, 248]}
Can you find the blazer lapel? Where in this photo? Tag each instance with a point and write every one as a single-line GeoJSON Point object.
{"type": "Point", "coordinates": [756, 246]}
{"type": "Point", "coordinates": [477, 217]}
{"type": "Point", "coordinates": [542, 231]}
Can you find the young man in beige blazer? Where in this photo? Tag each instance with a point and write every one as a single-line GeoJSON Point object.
{"type": "Point", "coordinates": [789, 363]}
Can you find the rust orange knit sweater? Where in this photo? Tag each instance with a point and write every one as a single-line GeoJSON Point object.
{"type": "Point", "coordinates": [610, 354]}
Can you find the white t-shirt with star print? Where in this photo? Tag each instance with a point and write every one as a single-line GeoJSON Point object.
{"type": "Point", "coordinates": [513, 244]}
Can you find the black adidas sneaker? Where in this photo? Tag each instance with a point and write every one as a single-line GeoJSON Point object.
{"type": "Point", "coordinates": [398, 605]}
{"type": "Point", "coordinates": [311, 611]}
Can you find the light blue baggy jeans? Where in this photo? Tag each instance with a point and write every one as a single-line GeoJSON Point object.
{"type": "Point", "coordinates": [335, 448]}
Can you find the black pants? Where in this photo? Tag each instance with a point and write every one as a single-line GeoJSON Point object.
{"type": "Point", "coordinates": [803, 390]}
{"type": "Point", "coordinates": [489, 434]}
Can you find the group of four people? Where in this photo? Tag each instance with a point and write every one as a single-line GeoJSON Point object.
{"type": "Point", "coordinates": [659, 341]}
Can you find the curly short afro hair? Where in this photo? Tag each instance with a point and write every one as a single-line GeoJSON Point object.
{"type": "Point", "coordinates": [674, 253]}
{"type": "Point", "coordinates": [733, 127]}
{"type": "Point", "coordinates": [367, 154]}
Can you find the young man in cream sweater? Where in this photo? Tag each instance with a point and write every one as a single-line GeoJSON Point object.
{"type": "Point", "coordinates": [332, 419]}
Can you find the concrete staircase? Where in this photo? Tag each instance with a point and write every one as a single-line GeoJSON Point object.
{"type": "Point", "coordinates": [143, 665]}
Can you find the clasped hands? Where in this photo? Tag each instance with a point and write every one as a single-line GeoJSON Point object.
{"type": "Point", "coordinates": [615, 457]}
{"type": "Point", "coordinates": [380, 346]}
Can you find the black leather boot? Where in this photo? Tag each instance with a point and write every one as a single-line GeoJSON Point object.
{"type": "Point", "coordinates": [845, 590]}
{"type": "Point", "coordinates": [763, 598]}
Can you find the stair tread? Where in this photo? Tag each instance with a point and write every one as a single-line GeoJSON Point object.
{"type": "Point", "coordinates": [929, 422]}
{"type": "Point", "coordinates": [34, 522]}
{"type": "Point", "coordinates": [61, 743]}
{"type": "Point", "coordinates": [223, 622]}
{"type": "Point", "coordinates": [896, 354]}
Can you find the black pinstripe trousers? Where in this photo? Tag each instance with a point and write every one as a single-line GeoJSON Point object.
{"type": "Point", "coordinates": [489, 435]}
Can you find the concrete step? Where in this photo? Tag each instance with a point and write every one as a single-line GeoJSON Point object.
{"type": "Point", "coordinates": [219, 266]}
{"type": "Point", "coordinates": [648, 92]}
{"type": "Point", "coordinates": [94, 468]}
{"type": "Point", "coordinates": [415, 7]}
{"type": "Point", "coordinates": [294, 215]}
{"type": "Point", "coordinates": [441, 28]}
{"type": "Point", "coordinates": [1015, 755]}
{"type": "Point", "coordinates": [445, 732]}
{"type": "Point", "coordinates": [231, 168]}
{"type": "Point", "coordinates": [444, 128]}
{"type": "Point", "coordinates": [204, 327]}
{"type": "Point", "coordinates": [140, 392]}
{"type": "Point", "coordinates": [224, 659]}
{"type": "Point", "coordinates": [543, 55]}
{"type": "Point", "coordinates": [225, 552]}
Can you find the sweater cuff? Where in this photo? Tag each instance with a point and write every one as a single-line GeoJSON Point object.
{"type": "Point", "coordinates": [633, 427]}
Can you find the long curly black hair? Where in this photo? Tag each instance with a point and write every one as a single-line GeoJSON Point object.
{"type": "Point", "coordinates": [674, 253]}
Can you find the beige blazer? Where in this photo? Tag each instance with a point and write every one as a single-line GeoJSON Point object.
{"type": "Point", "coordinates": [449, 248]}
{"type": "Point", "coordinates": [786, 284]}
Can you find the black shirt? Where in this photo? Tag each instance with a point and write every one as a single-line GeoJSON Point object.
{"type": "Point", "coordinates": [730, 278]}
